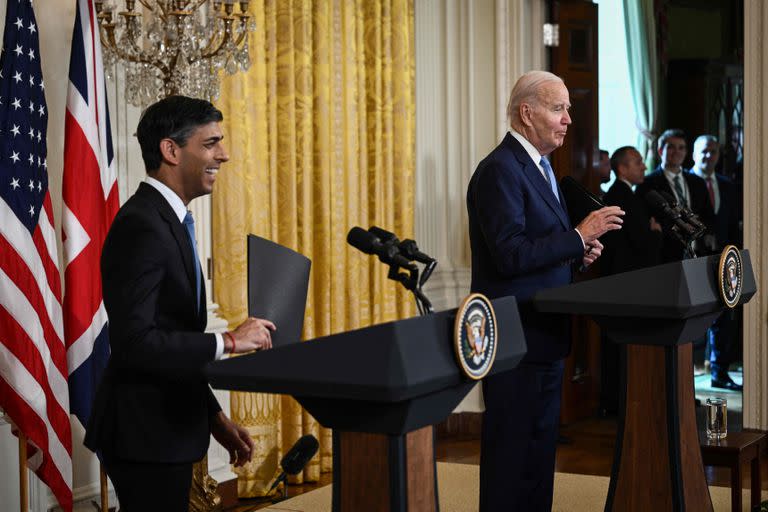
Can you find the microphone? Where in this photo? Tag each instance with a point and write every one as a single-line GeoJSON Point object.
{"type": "Point", "coordinates": [407, 247]}
{"type": "Point", "coordinates": [669, 215]}
{"type": "Point", "coordinates": [369, 243]}
{"type": "Point", "coordinates": [687, 215]}
{"type": "Point", "coordinates": [571, 185]}
{"type": "Point", "coordinates": [297, 457]}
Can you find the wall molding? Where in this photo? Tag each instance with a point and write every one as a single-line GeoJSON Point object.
{"type": "Point", "coordinates": [756, 215]}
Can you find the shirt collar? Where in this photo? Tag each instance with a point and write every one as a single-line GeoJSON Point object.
{"type": "Point", "coordinates": [173, 200]}
{"type": "Point", "coordinates": [702, 174]}
{"type": "Point", "coordinates": [527, 146]}
{"type": "Point", "coordinates": [671, 175]}
{"type": "Point", "coordinates": [628, 183]}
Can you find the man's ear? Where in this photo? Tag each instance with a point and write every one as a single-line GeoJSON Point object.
{"type": "Point", "coordinates": [170, 151]}
{"type": "Point", "coordinates": [661, 150]}
{"type": "Point", "coordinates": [526, 111]}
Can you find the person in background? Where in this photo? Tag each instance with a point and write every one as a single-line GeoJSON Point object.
{"type": "Point", "coordinates": [636, 245]}
{"type": "Point", "coordinates": [723, 230]}
{"type": "Point", "coordinates": [688, 189]}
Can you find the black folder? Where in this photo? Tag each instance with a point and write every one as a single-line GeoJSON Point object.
{"type": "Point", "coordinates": [278, 279]}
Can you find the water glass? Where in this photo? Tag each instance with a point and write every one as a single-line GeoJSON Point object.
{"type": "Point", "coordinates": [717, 418]}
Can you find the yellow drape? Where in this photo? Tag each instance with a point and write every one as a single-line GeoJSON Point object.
{"type": "Point", "coordinates": [321, 137]}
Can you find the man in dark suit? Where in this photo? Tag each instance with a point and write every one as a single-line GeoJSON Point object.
{"type": "Point", "coordinates": [522, 241]}
{"type": "Point", "coordinates": [154, 412]}
{"type": "Point", "coordinates": [723, 230]}
{"type": "Point", "coordinates": [688, 189]}
{"type": "Point", "coordinates": [636, 245]}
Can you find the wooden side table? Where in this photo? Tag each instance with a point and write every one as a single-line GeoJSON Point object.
{"type": "Point", "coordinates": [732, 452]}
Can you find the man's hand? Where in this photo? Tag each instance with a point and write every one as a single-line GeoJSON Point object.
{"type": "Point", "coordinates": [599, 223]}
{"type": "Point", "coordinates": [593, 251]}
{"type": "Point", "coordinates": [234, 438]}
{"type": "Point", "coordinates": [655, 226]}
{"type": "Point", "coordinates": [253, 334]}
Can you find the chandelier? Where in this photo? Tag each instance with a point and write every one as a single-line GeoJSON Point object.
{"type": "Point", "coordinates": [174, 46]}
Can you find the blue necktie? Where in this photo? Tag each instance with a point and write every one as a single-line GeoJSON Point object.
{"type": "Point", "coordinates": [189, 223]}
{"type": "Point", "coordinates": [550, 176]}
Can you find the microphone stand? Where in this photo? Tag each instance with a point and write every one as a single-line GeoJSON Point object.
{"type": "Point", "coordinates": [412, 283]}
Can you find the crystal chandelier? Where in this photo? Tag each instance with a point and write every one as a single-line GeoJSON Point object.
{"type": "Point", "coordinates": [174, 46]}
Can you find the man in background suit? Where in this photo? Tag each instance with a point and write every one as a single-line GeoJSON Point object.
{"type": "Point", "coordinates": [522, 241]}
{"type": "Point", "coordinates": [723, 230]}
{"type": "Point", "coordinates": [154, 412]}
{"type": "Point", "coordinates": [636, 245]}
{"type": "Point", "coordinates": [670, 177]}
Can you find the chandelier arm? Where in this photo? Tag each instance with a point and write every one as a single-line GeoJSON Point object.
{"type": "Point", "coordinates": [199, 4]}
{"type": "Point", "coordinates": [149, 6]}
{"type": "Point", "coordinates": [111, 43]}
{"type": "Point", "coordinates": [209, 52]}
{"type": "Point", "coordinates": [243, 21]}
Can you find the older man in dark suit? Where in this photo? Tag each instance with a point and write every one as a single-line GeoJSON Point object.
{"type": "Point", "coordinates": [154, 412]}
{"type": "Point", "coordinates": [723, 230]}
{"type": "Point", "coordinates": [522, 241]}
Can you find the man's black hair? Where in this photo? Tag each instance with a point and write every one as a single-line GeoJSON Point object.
{"type": "Point", "coordinates": [619, 157]}
{"type": "Point", "coordinates": [668, 134]}
{"type": "Point", "coordinates": [175, 118]}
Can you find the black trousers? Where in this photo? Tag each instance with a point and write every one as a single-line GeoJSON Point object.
{"type": "Point", "coordinates": [150, 486]}
{"type": "Point", "coordinates": [520, 429]}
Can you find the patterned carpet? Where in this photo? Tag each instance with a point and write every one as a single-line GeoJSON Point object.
{"type": "Point", "coordinates": [458, 493]}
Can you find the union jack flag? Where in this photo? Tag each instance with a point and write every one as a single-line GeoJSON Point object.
{"type": "Point", "coordinates": [33, 364]}
{"type": "Point", "coordinates": [90, 203]}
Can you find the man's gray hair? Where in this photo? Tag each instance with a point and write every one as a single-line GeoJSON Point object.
{"type": "Point", "coordinates": [703, 139]}
{"type": "Point", "coordinates": [525, 91]}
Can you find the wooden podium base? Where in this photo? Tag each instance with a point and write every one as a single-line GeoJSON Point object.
{"type": "Point", "coordinates": [384, 473]}
{"type": "Point", "coordinates": [657, 465]}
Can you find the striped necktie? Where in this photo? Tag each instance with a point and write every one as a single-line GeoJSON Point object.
{"type": "Point", "coordinates": [679, 190]}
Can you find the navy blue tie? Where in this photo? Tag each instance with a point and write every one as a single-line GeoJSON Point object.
{"type": "Point", "coordinates": [550, 176]}
{"type": "Point", "coordinates": [189, 223]}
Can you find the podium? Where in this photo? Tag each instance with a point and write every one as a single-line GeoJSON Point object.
{"type": "Point", "coordinates": [380, 389]}
{"type": "Point", "coordinates": [656, 313]}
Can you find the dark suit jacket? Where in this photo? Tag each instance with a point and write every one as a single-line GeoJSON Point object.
{"type": "Point", "coordinates": [725, 226]}
{"type": "Point", "coordinates": [672, 250]}
{"type": "Point", "coordinates": [153, 403]}
{"type": "Point", "coordinates": [522, 241]}
{"type": "Point", "coordinates": [635, 245]}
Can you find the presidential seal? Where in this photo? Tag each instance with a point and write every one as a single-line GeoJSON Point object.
{"type": "Point", "coordinates": [730, 276]}
{"type": "Point", "coordinates": [475, 336]}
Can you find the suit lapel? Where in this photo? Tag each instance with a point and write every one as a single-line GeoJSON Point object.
{"type": "Point", "coordinates": [534, 176]}
{"type": "Point", "coordinates": [178, 230]}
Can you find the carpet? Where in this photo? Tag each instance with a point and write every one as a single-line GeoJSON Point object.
{"type": "Point", "coordinates": [457, 485]}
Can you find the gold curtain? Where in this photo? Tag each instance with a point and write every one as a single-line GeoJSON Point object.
{"type": "Point", "coordinates": [321, 138]}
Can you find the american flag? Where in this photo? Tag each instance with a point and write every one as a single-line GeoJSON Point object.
{"type": "Point", "coordinates": [90, 204]}
{"type": "Point", "coordinates": [33, 364]}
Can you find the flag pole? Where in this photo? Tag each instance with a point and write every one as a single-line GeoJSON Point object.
{"type": "Point", "coordinates": [104, 490]}
{"type": "Point", "coordinates": [23, 483]}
